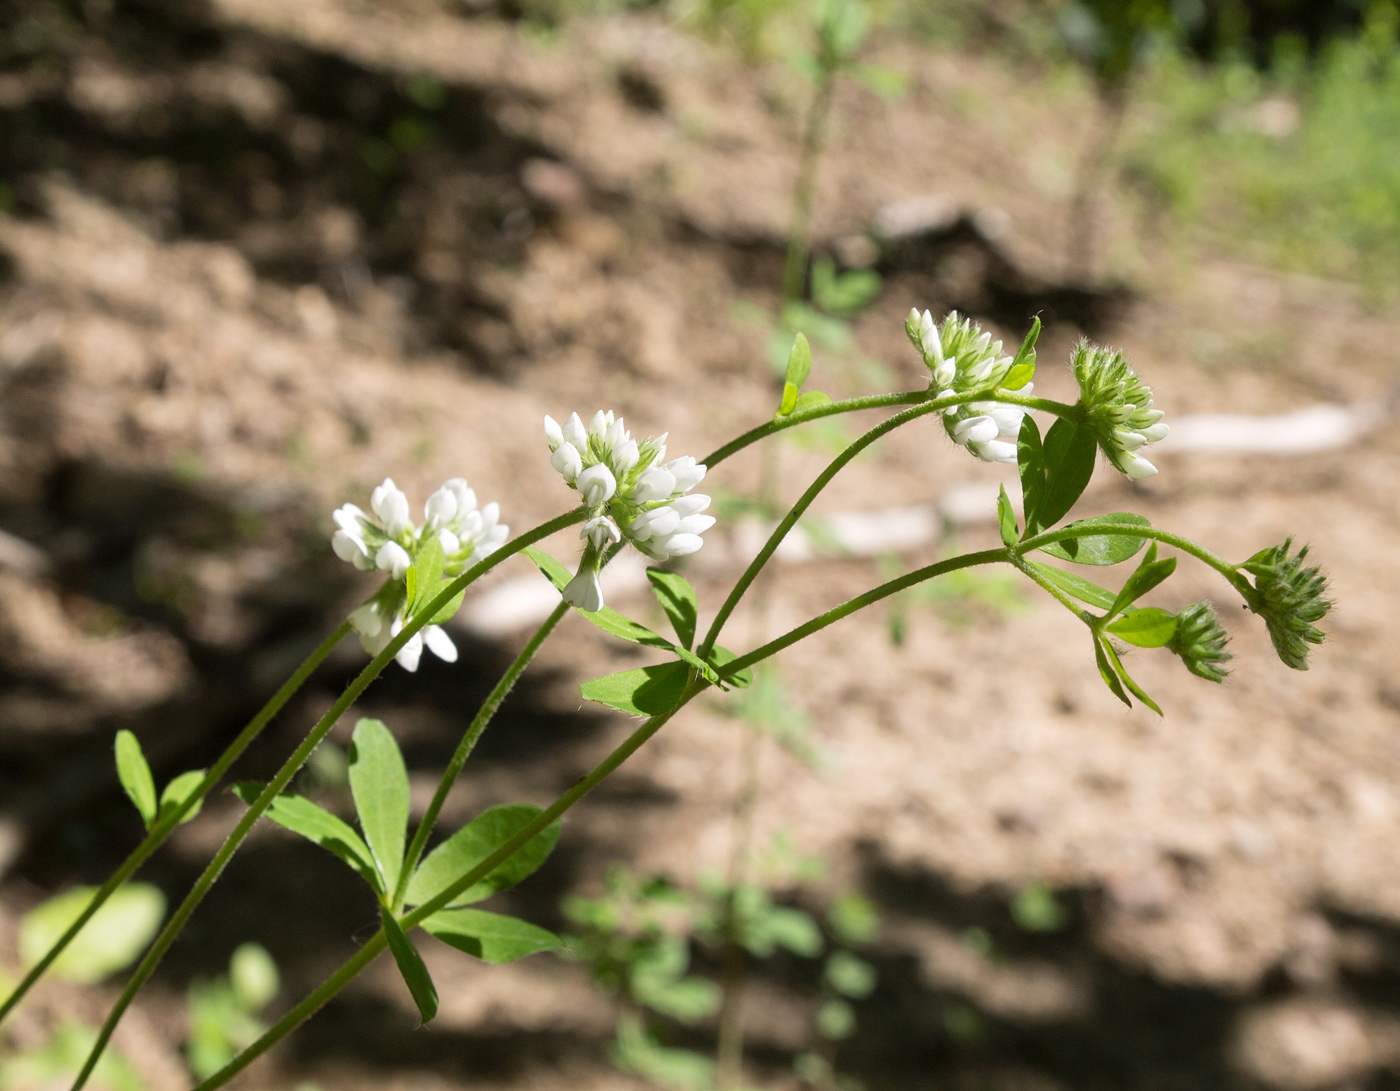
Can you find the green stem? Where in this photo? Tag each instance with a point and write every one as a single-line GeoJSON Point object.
{"type": "Point", "coordinates": [850, 606]}
{"type": "Point", "coordinates": [167, 823]}
{"type": "Point", "coordinates": [1133, 530]}
{"type": "Point", "coordinates": [830, 409]}
{"type": "Point", "coordinates": [1064, 600]}
{"type": "Point", "coordinates": [804, 194]}
{"type": "Point", "coordinates": [468, 744]}
{"type": "Point", "coordinates": [803, 503]}
{"type": "Point", "coordinates": [365, 955]}
{"type": "Point", "coordinates": [289, 769]}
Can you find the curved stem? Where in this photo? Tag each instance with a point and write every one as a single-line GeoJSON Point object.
{"type": "Point", "coordinates": [366, 954]}
{"type": "Point", "coordinates": [468, 744]}
{"type": "Point", "coordinates": [1054, 592]}
{"type": "Point", "coordinates": [162, 829]}
{"type": "Point", "coordinates": [581, 788]}
{"type": "Point", "coordinates": [803, 503]}
{"type": "Point", "coordinates": [1134, 530]}
{"type": "Point", "coordinates": [850, 606]}
{"type": "Point", "coordinates": [830, 409]}
{"type": "Point", "coordinates": [289, 769]}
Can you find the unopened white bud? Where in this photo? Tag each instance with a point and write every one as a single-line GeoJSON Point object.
{"type": "Point", "coordinates": [584, 591]}
{"type": "Point", "coordinates": [656, 483]}
{"type": "Point", "coordinates": [393, 559]}
{"type": "Point", "coordinates": [567, 461]}
{"type": "Point", "coordinates": [597, 485]}
{"type": "Point", "coordinates": [1136, 466]}
{"type": "Point", "coordinates": [574, 432]}
{"type": "Point", "coordinates": [441, 507]}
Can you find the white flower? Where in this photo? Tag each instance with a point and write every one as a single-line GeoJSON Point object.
{"type": "Point", "coordinates": [631, 495]}
{"type": "Point", "coordinates": [963, 358]}
{"type": "Point", "coordinates": [387, 540]}
{"type": "Point", "coordinates": [1117, 406]}
{"type": "Point", "coordinates": [584, 591]}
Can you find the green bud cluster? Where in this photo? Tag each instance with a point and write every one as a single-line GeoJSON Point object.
{"type": "Point", "coordinates": [1200, 641]}
{"type": "Point", "coordinates": [1290, 598]}
{"type": "Point", "coordinates": [1117, 407]}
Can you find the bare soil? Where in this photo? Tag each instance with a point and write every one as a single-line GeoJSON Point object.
{"type": "Point", "coordinates": [262, 255]}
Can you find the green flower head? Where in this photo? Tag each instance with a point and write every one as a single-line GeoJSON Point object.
{"type": "Point", "coordinates": [1200, 641]}
{"type": "Point", "coordinates": [1290, 598]}
{"type": "Point", "coordinates": [1118, 407]}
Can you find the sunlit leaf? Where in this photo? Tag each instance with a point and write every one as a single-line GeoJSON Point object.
{"type": "Point", "coordinates": [135, 776]}
{"type": "Point", "coordinates": [472, 844]}
{"type": "Point", "coordinates": [179, 790]}
{"type": "Point", "coordinates": [301, 816]}
{"type": "Point", "coordinates": [1099, 549]}
{"type": "Point", "coordinates": [379, 785]}
{"type": "Point", "coordinates": [110, 941]}
{"type": "Point", "coordinates": [646, 691]}
{"type": "Point", "coordinates": [677, 598]}
{"type": "Point", "coordinates": [490, 937]}
{"type": "Point", "coordinates": [410, 963]}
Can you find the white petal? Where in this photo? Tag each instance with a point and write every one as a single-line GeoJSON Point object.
{"type": "Point", "coordinates": [391, 505]}
{"type": "Point", "coordinates": [553, 434]}
{"type": "Point", "coordinates": [659, 521]}
{"type": "Point", "coordinates": [584, 591]}
{"type": "Point", "coordinates": [655, 484]}
{"type": "Point", "coordinates": [575, 433]}
{"type": "Point", "coordinates": [975, 430]}
{"type": "Point", "coordinates": [348, 547]}
{"type": "Point", "coordinates": [681, 545]}
{"type": "Point", "coordinates": [441, 508]}
{"type": "Point", "coordinates": [945, 372]}
{"type": "Point", "coordinates": [411, 653]}
{"type": "Point", "coordinates": [995, 450]}
{"type": "Point", "coordinates": [392, 558]}
{"type": "Point", "coordinates": [598, 426]}
{"type": "Point", "coordinates": [1129, 441]}
{"type": "Point", "coordinates": [466, 496]}
{"type": "Point", "coordinates": [439, 643]}
{"type": "Point", "coordinates": [1155, 433]}
{"type": "Point", "coordinates": [1008, 418]}
{"type": "Point", "coordinates": [349, 518]}
{"type": "Point", "coordinates": [567, 461]}
{"type": "Point", "coordinates": [625, 455]}
{"type": "Point", "coordinates": [367, 620]}
{"type": "Point", "coordinates": [1136, 466]}
{"type": "Point", "coordinates": [616, 434]}
{"type": "Point", "coordinates": [689, 505]}
{"type": "Point", "coordinates": [688, 472]}
{"type": "Point", "coordinates": [450, 542]}
{"type": "Point", "coordinates": [597, 485]}
{"type": "Point", "coordinates": [695, 524]}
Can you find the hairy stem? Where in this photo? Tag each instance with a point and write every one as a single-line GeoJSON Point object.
{"type": "Point", "coordinates": [289, 769]}
{"type": "Point", "coordinates": [164, 826]}
{"type": "Point", "coordinates": [478, 725]}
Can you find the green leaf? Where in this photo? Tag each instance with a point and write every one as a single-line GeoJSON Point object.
{"type": "Point", "coordinates": [253, 976]}
{"type": "Point", "coordinates": [648, 691]}
{"type": "Point", "coordinates": [778, 925]}
{"type": "Point", "coordinates": [135, 776]}
{"type": "Point", "coordinates": [450, 608]}
{"type": "Point", "coordinates": [379, 784]}
{"type": "Point", "coordinates": [811, 400]}
{"type": "Point", "coordinates": [1099, 549]}
{"type": "Point", "coordinates": [1106, 672]}
{"type": "Point", "coordinates": [415, 974]}
{"type": "Point", "coordinates": [1148, 575]}
{"type": "Point", "coordinates": [319, 826]}
{"type": "Point", "coordinates": [836, 1019]}
{"type": "Point", "coordinates": [179, 790]}
{"type": "Point", "coordinates": [1007, 518]}
{"type": "Point", "coordinates": [799, 363]}
{"type": "Point", "coordinates": [850, 976]}
{"type": "Point", "coordinates": [789, 400]}
{"type": "Point", "coordinates": [1133, 687]}
{"type": "Point", "coordinates": [1150, 628]}
{"type": "Point", "coordinates": [110, 941]}
{"type": "Point", "coordinates": [1022, 368]}
{"type": "Point", "coordinates": [472, 844]}
{"type": "Point", "coordinates": [490, 937]}
{"type": "Point", "coordinates": [1077, 586]}
{"type": "Point", "coordinates": [721, 655]}
{"type": "Point", "coordinates": [1030, 458]}
{"type": "Point", "coordinates": [689, 1000]}
{"type": "Point", "coordinates": [425, 575]}
{"type": "Point", "coordinates": [677, 597]}
{"type": "Point", "coordinates": [1069, 452]}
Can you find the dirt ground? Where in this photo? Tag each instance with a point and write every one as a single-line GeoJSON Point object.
{"type": "Point", "coordinates": [261, 255]}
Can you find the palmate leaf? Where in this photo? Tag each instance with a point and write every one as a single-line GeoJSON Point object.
{"type": "Point", "coordinates": [135, 776]}
{"type": "Point", "coordinates": [410, 963]}
{"type": "Point", "coordinates": [490, 937]}
{"type": "Point", "coordinates": [473, 843]}
{"type": "Point", "coordinates": [301, 816]}
{"type": "Point", "coordinates": [379, 785]}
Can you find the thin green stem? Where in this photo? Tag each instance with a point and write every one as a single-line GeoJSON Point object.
{"type": "Point", "coordinates": [365, 955]}
{"type": "Point", "coordinates": [803, 503]}
{"type": "Point", "coordinates": [1133, 530]}
{"type": "Point", "coordinates": [289, 769]}
{"type": "Point", "coordinates": [478, 725]}
{"type": "Point", "coordinates": [804, 194]}
{"type": "Point", "coordinates": [581, 788]}
{"type": "Point", "coordinates": [167, 823]}
{"type": "Point", "coordinates": [850, 606]}
{"type": "Point", "coordinates": [830, 409]}
{"type": "Point", "coordinates": [1064, 600]}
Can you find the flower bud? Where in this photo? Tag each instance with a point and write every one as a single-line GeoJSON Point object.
{"type": "Point", "coordinates": [393, 559]}
{"type": "Point", "coordinates": [1200, 642]}
{"type": "Point", "coordinates": [567, 461]}
{"type": "Point", "coordinates": [553, 434]}
{"type": "Point", "coordinates": [584, 591]}
{"type": "Point", "coordinates": [1290, 598]}
{"type": "Point", "coordinates": [596, 485]}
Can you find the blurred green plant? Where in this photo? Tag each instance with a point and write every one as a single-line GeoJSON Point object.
{"type": "Point", "coordinates": [223, 1013]}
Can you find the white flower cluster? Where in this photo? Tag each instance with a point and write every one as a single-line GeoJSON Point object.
{"type": "Point", "coordinates": [962, 359]}
{"type": "Point", "coordinates": [630, 494]}
{"type": "Point", "coordinates": [387, 539]}
{"type": "Point", "coordinates": [1118, 407]}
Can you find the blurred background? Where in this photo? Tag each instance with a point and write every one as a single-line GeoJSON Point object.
{"type": "Point", "coordinates": [255, 256]}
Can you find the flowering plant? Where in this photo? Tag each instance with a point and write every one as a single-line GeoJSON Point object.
{"type": "Point", "coordinates": [630, 494]}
